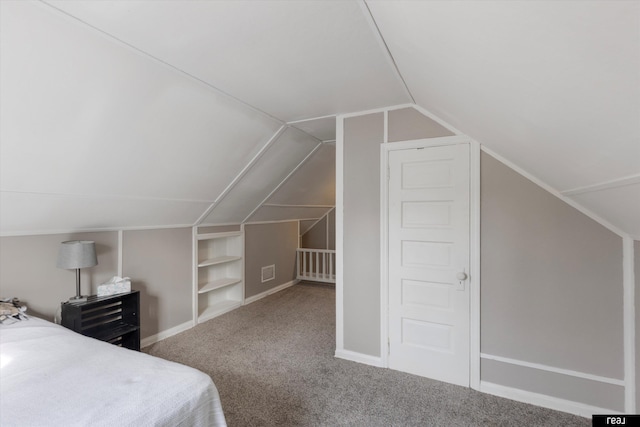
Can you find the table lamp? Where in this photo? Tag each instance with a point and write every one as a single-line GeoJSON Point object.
{"type": "Point", "coordinates": [77, 254]}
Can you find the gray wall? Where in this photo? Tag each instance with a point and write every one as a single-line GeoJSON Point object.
{"type": "Point", "coordinates": [331, 217]}
{"type": "Point", "coordinates": [361, 218]}
{"type": "Point", "coordinates": [267, 244]}
{"type": "Point", "coordinates": [551, 277]}
{"type": "Point", "coordinates": [316, 236]}
{"type": "Point", "coordinates": [322, 235]}
{"type": "Point", "coordinates": [218, 228]}
{"type": "Point", "coordinates": [159, 265]}
{"type": "Point", "coordinates": [361, 222]}
{"type": "Point", "coordinates": [408, 123]}
{"type": "Point", "coordinates": [595, 393]}
{"type": "Point", "coordinates": [551, 290]}
{"type": "Point", "coordinates": [28, 269]}
{"type": "Point", "coordinates": [158, 262]}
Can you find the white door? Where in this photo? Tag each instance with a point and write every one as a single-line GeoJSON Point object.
{"type": "Point", "coordinates": [428, 261]}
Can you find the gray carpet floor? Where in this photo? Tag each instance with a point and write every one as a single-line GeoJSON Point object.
{"type": "Point", "coordinates": [273, 364]}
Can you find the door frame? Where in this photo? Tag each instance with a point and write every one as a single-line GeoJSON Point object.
{"type": "Point", "coordinates": [474, 245]}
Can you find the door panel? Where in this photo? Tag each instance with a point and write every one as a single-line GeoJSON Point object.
{"type": "Point", "coordinates": [428, 246]}
{"type": "Point", "coordinates": [426, 294]}
{"type": "Point", "coordinates": [425, 214]}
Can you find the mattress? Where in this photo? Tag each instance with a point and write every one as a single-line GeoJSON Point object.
{"type": "Point", "coordinates": [51, 376]}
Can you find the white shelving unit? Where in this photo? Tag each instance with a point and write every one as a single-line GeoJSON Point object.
{"type": "Point", "coordinates": [218, 273]}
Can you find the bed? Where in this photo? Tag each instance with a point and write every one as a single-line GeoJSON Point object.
{"type": "Point", "coordinates": [51, 376]}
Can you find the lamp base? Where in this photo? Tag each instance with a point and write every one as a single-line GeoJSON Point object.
{"type": "Point", "coordinates": [77, 299]}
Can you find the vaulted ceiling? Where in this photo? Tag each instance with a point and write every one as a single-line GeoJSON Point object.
{"type": "Point", "coordinates": [117, 114]}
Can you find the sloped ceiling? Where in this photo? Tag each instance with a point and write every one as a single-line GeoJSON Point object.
{"type": "Point", "coordinates": [554, 87]}
{"type": "Point", "coordinates": [139, 113]}
{"type": "Point", "coordinates": [308, 193]}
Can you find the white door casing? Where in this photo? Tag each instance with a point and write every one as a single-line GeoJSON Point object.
{"type": "Point", "coordinates": [428, 259]}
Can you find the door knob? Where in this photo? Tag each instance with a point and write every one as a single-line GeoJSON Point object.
{"type": "Point", "coordinates": [461, 276]}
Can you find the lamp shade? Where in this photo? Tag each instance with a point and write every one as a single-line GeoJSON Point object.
{"type": "Point", "coordinates": [77, 254]}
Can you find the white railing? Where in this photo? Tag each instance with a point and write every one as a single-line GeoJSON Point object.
{"type": "Point", "coordinates": [318, 265]}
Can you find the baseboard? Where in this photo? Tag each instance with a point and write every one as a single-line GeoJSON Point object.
{"type": "Point", "coordinates": [188, 325]}
{"type": "Point", "coordinates": [543, 400]}
{"type": "Point", "coordinates": [270, 292]}
{"type": "Point", "coordinates": [359, 358]}
{"type": "Point", "coordinates": [547, 368]}
{"type": "Point", "coordinates": [166, 334]}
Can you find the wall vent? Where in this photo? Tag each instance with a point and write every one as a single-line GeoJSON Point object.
{"type": "Point", "coordinates": [268, 273]}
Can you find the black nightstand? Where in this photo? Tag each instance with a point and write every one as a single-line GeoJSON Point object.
{"type": "Point", "coordinates": [113, 318]}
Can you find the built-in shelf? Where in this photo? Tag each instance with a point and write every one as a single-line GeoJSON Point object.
{"type": "Point", "coordinates": [219, 260]}
{"type": "Point", "coordinates": [218, 273]}
{"type": "Point", "coordinates": [216, 284]}
{"type": "Point", "coordinates": [219, 235]}
{"type": "Point", "coordinates": [217, 309]}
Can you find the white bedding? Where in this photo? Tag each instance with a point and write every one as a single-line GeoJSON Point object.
{"type": "Point", "coordinates": [51, 376]}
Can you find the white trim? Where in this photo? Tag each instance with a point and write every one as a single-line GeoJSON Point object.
{"type": "Point", "coordinates": [384, 255]}
{"type": "Point", "coordinates": [270, 292]}
{"type": "Point", "coordinates": [368, 16]}
{"type": "Point", "coordinates": [165, 64]}
{"type": "Point", "coordinates": [243, 263]}
{"type": "Point", "coordinates": [277, 221]}
{"type": "Point", "coordinates": [543, 400]}
{"type": "Point", "coordinates": [555, 192]}
{"type": "Point", "coordinates": [614, 183]}
{"type": "Point", "coordinates": [373, 111]}
{"type": "Point", "coordinates": [339, 233]}
{"type": "Point", "coordinates": [294, 122]}
{"type": "Point", "coordinates": [286, 178]}
{"type": "Point", "coordinates": [326, 231]}
{"type": "Point", "coordinates": [326, 215]}
{"type": "Point", "coordinates": [283, 205]}
{"type": "Point", "coordinates": [553, 369]}
{"type": "Point", "coordinates": [309, 228]}
{"type": "Point", "coordinates": [429, 142]}
{"type": "Point", "coordinates": [107, 196]}
{"type": "Point", "coordinates": [141, 228]}
{"type": "Point", "coordinates": [313, 225]}
{"type": "Point", "coordinates": [242, 173]}
{"type": "Point", "coordinates": [385, 131]}
{"type": "Point", "coordinates": [629, 325]}
{"type": "Point", "coordinates": [474, 245]}
{"type": "Point", "coordinates": [327, 227]}
{"type": "Point", "coordinates": [218, 235]}
{"type": "Point", "coordinates": [437, 119]}
{"type": "Point", "coordinates": [416, 107]}
{"type": "Point", "coordinates": [474, 265]}
{"type": "Point", "coordinates": [222, 224]}
{"type": "Point", "coordinates": [359, 358]}
{"type": "Point", "coordinates": [120, 252]}
{"type": "Point", "coordinates": [194, 274]}
{"type": "Point", "coordinates": [92, 230]}
{"type": "Point", "coordinates": [166, 334]}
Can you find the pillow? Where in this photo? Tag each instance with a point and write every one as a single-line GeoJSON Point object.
{"type": "Point", "coordinates": [12, 310]}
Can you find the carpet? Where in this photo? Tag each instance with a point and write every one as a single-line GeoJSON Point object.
{"type": "Point", "coordinates": [273, 363]}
